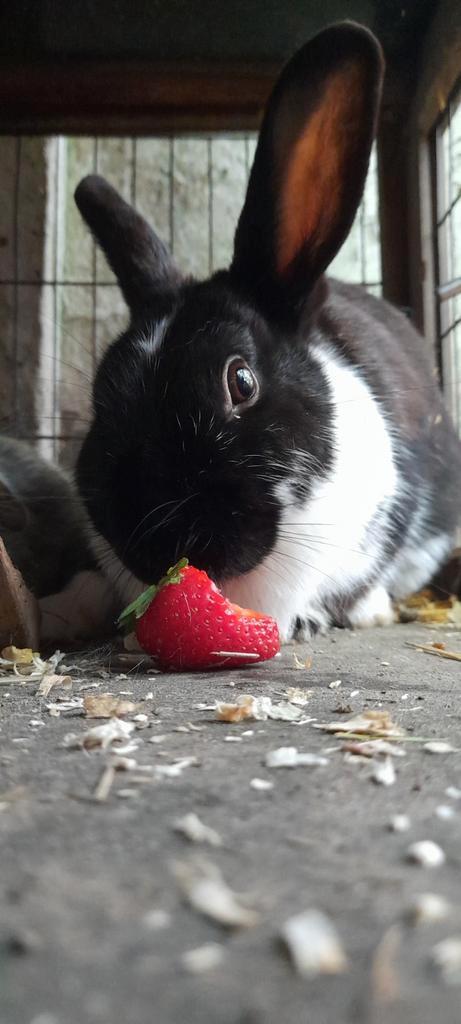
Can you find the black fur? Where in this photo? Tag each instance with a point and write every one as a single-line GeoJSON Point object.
{"type": "Point", "coordinates": [175, 475]}
{"type": "Point", "coordinates": [166, 469]}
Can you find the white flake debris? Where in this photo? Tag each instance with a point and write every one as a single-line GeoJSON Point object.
{"type": "Point", "coordinates": [384, 772]}
{"type": "Point", "coordinates": [289, 757]}
{"type": "Point", "coordinates": [203, 958]}
{"type": "Point", "coordinates": [370, 724]}
{"type": "Point", "coordinates": [427, 908]}
{"type": "Point", "coordinates": [439, 747]}
{"type": "Point", "coordinates": [156, 919]}
{"type": "Point", "coordinates": [314, 944]}
{"type": "Point", "coordinates": [258, 709]}
{"type": "Point", "coordinates": [173, 771]}
{"type": "Point", "coordinates": [296, 695]}
{"type": "Point", "coordinates": [444, 812]}
{"type": "Point", "coordinates": [400, 823]}
{"type": "Point", "coordinates": [233, 739]}
{"type": "Point", "coordinates": [453, 793]}
{"type": "Point", "coordinates": [192, 828]}
{"type": "Point", "coordinates": [206, 891]}
{"type": "Point", "coordinates": [104, 736]}
{"type": "Point", "coordinates": [426, 853]}
{"type": "Point", "coordinates": [446, 957]}
{"type": "Point", "coordinates": [261, 785]}
{"type": "Point", "coordinates": [335, 684]}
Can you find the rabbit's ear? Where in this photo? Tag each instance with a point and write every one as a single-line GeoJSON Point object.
{"type": "Point", "coordinates": [141, 262]}
{"type": "Point", "coordinates": [310, 167]}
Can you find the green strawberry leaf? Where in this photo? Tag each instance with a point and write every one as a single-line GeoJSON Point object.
{"type": "Point", "coordinates": [134, 611]}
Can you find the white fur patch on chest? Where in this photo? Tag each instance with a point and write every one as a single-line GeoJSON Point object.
{"type": "Point", "coordinates": [331, 544]}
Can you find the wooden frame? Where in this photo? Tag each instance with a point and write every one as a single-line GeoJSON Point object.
{"type": "Point", "coordinates": [125, 97]}
{"type": "Point", "coordinates": [440, 67]}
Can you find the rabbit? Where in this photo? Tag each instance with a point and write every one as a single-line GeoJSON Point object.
{"type": "Point", "coordinates": [43, 526]}
{"type": "Point", "coordinates": [284, 431]}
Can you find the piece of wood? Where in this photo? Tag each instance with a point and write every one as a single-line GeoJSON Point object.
{"type": "Point", "coordinates": [132, 96]}
{"type": "Point", "coordinates": [19, 615]}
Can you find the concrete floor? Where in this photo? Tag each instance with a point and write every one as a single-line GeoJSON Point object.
{"type": "Point", "coordinates": [80, 878]}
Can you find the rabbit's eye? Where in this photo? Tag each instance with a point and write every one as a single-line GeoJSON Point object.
{"type": "Point", "coordinates": [241, 382]}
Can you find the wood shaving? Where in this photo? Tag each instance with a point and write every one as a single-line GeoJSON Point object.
{"type": "Point", "coordinates": [289, 757]}
{"type": "Point", "coordinates": [427, 908]}
{"type": "Point", "coordinates": [19, 655]}
{"type": "Point", "coordinates": [258, 709]}
{"type": "Point", "coordinates": [205, 890]}
{"type": "Point", "coordinates": [432, 649]}
{"type": "Point", "coordinates": [102, 736]}
{"type": "Point", "coordinates": [298, 664]}
{"type": "Point", "coordinates": [314, 944]}
{"type": "Point", "coordinates": [296, 695]}
{"type": "Point", "coordinates": [384, 772]}
{"type": "Point", "coordinates": [368, 723]}
{"type": "Point", "coordinates": [426, 607]}
{"type": "Point", "coordinates": [370, 748]}
{"type": "Point", "coordinates": [193, 829]}
{"type": "Point", "coordinates": [105, 705]}
{"type": "Point", "coordinates": [203, 958]}
{"type": "Point", "coordinates": [384, 970]}
{"type": "Point", "coordinates": [50, 681]}
{"type": "Point", "coordinates": [426, 853]}
{"type": "Point", "coordinates": [446, 957]}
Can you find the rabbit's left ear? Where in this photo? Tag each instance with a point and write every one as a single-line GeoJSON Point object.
{"type": "Point", "coordinates": [310, 167]}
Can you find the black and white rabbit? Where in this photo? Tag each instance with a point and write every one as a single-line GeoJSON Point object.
{"type": "Point", "coordinates": [284, 431]}
{"type": "Point", "coordinates": [44, 528]}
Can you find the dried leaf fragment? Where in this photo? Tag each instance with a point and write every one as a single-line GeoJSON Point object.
{"type": "Point", "coordinates": [192, 828]}
{"type": "Point", "coordinates": [314, 944]}
{"type": "Point", "coordinates": [205, 890]}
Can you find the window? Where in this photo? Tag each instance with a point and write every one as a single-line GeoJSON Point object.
{"type": "Point", "coordinates": [447, 237]}
{"type": "Point", "coordinates": [59, 301]}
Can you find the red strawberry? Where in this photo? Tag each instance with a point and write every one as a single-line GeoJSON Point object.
{"type": "Point", "coordinates": [186, 623]}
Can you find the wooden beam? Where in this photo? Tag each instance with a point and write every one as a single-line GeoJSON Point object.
{"type": "Point", "coordinates": [393, 195]}
{"type": "Point", "coordinates": [107, 97]}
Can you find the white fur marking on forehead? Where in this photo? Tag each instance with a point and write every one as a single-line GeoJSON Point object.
{"type": "Point", "coordinates": [151, 340]}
